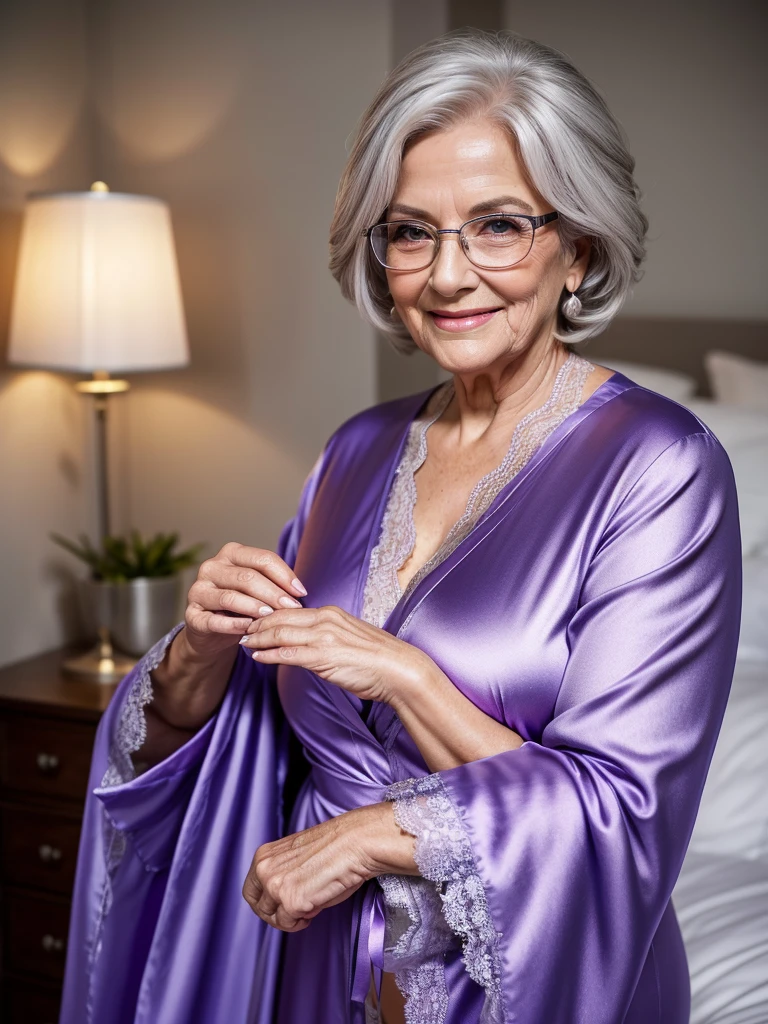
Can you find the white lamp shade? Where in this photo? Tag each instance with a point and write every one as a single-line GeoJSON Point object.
{"type": "Point", "coordinates": [97, 285]}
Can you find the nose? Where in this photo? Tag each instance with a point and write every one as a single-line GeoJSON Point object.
{"type": "Point", "coordinates": [452, 270]}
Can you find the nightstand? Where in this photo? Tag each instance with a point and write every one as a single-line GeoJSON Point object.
{"type": "Point", "coordinates": [47, 728]}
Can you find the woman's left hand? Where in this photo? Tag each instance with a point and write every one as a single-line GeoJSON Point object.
{"type": "Point", "coordinates": [348, 652]}
{"type": "Point", "coordinates": [292, 879]}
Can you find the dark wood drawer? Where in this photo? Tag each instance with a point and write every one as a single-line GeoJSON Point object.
{"type": "Point", "coordinates": [35, 933]}
{"type": "Point", "coordinates": [28, 1002]}
{"type": "Point", "coordinates": [44, 756]}
{"type": "Point", "coordinates": [39, 849]}
{"type": "Point", "coordinates": [48, 722]}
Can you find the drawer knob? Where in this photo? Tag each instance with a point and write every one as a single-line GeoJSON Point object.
{"type": "Point", "coordinates": [47, 763]}
{"type": "Point", "coordinates": [51, 944]}
{"type": "Point", "coordinates": [49, 853]}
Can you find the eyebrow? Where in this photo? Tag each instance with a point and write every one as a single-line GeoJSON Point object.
{"type": "Point", "coordinates": [487, 206]}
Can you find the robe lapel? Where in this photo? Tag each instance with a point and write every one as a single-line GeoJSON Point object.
{"type": "Point", "coordinates": [347, 515]}
{"type": "Point", "coordinates": [345, 521]}
{"type": "Point", "coordinates": [503, 505]}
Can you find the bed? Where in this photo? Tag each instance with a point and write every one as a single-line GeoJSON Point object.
{"type": "Point", "coordinates": [721, 897]}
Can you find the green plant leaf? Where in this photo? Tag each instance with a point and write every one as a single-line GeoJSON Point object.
{"type": "Point", "coordinates": [122, 558]}
{"type": "Point", "coordinates": [86, 555]}
{"type": "Point", "coordinates": [186, 558]}
{"type": "Point", "coordinates": [118, 558]}
{"type": "Point", "coordinates": [139, 553]}
{"type": "Point", "coordinates": [157, 557]}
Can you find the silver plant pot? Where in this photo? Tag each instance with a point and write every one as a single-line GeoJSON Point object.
{"type": "Point", "coordinates": [136, 612]}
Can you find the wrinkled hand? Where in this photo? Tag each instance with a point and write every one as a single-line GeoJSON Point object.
{"type": "Point", "coordinates": [237, 585]}
{"type": "Point", "coordinates": [337, 646]}
{"type": "Point", "coordinates": [292, 879]}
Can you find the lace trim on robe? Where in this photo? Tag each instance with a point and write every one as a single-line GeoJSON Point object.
{"type": "Point", "coordinates": [130, 734]}
{"type": "Point", "coordinates": [444, 856]}
{"type": "Point", "coordinates": [398, 532]}
{"type": "Point", "coordinates": [132, 727]}
{"type": "Point", "coordinates": [416, 936]}
{"type": "Point", "coordinates": [450, 884]}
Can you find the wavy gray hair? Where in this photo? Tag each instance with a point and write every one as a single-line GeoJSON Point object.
{"type": "Point", "coordinates": [574, 150]}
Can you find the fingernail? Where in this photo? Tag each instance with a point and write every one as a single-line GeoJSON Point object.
{"type": "Point", "coordinates": [244, 639]}
{"type": "Point", "coordinates": [289, 602]}
{"type": "Point", "coordinates": [265, 610]}
{"type": "Point", "coordinates": [298, 585]}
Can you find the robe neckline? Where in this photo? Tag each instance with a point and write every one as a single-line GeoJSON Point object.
{"type": "Point", "coordinates": [402, 612]}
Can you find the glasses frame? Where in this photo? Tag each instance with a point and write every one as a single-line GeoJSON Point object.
{"type": "Point", "coordinates": [535, 222]}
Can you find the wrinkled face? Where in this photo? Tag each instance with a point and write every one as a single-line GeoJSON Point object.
{"type": "Point", "coordinates": [470, 320]}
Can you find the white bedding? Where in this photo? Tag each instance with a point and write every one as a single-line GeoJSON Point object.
{"type": "Point", "coordinates": [722, 906]}
{"type": "Point", "coordinates": [721, 897]}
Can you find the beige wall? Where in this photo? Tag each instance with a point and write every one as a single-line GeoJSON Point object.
{"type": "Point", "coordinates": [237, 114]}
{"type": "Point", "coordinates": [688, 82]}
{"type": "Point", "coordinates": [45, 432]}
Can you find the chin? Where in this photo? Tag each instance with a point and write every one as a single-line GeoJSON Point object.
{"type": "Point", "coordinates": [469, 366]}
{"type": "Point", "coordinates": [467, 351]}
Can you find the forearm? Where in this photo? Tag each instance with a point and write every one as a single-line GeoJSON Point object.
{"type": "Point", "coordinates": [387, 848]}
{"type": "Point", "coordinates": [187, 689]}
{"type": "Point", "coordinates": [446, 726]}
{"type": "Point", "coordinates": [449, 731]}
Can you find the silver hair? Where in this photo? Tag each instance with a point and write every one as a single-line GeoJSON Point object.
{"type": "Point", "coordinates": [574, 150]}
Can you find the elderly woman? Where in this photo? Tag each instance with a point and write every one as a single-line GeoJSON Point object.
{"type": "Point", "coordinates": [454, 761]}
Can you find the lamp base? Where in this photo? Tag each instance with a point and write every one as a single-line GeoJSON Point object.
{"type": "Point", "coordinates": [102, 663]}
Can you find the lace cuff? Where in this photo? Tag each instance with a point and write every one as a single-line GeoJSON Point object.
{"type": "Point", "coordinates": [443, 854]}
{"type": "Point", "coordinates": [132, 726]}
{"type": "Point", "coordinates": [130, 734]}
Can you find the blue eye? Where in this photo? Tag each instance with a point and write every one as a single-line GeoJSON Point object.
{"type": "Point", "coordinates": [501, 226]}
{"type": "Point", "coordinates": [410, 233]}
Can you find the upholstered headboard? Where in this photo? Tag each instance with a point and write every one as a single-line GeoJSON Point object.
{"type": "Point", "coordinates": [678, 344]}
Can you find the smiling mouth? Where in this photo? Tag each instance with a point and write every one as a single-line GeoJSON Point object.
{"type": "Point", "coordinates": [462, 319]}
{"type": "Point", "coordinates": [461, 314]}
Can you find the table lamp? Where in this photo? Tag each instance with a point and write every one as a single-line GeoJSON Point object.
{"type": "Point", "coordinates": [97, 290]}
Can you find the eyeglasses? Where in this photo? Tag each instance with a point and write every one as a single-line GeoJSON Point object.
{"type": "Point", "coordinates": [493, 242]}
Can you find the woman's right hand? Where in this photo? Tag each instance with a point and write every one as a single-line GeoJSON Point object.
{"type": "Point", "coordinates": [233, 588]}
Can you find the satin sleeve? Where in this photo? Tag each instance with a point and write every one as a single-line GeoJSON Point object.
{"type": "Point", "coordinates": [555, 861]}
{"type": "Point", "coordinates": [159, 867]}
{"type": "Point", "coordinates": [135, 690]}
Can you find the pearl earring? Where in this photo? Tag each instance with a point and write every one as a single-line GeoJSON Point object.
{"type": "Point", "coordinates": [572, 306]}
{"type": "Point", "coordinates": [392, 311]}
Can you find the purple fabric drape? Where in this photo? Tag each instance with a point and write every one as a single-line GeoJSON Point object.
{"type": "Point", "coordinates": [165, 935]}
{"type": "Point", "coordinates": [594, 609]}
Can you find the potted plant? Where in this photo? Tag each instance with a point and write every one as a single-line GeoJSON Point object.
{"type": "Point", "coordinates": [134, 587]}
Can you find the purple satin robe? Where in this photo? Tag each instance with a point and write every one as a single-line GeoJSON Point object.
{"type": "Point", "coordinates": [594, 608]}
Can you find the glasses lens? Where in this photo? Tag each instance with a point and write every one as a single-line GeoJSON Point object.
{"type": "Point", "coordinates": [403, 245]}
{"type": "Point", "coordinates": [499, 241]}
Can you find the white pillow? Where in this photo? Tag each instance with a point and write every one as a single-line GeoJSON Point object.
{"type": "Point", "coordinates": [733, 814]}
{"type": "Point", "coordinates": [744, 435]}
{"type": "Point", "coordinates": [753, 639]}
{"type": "Point", "coordinates": [738, 381]}
{"type": "Point", "coordinates": [669, 383]}
{"type": "Point", "coordinates": [730, 423]}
